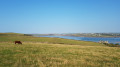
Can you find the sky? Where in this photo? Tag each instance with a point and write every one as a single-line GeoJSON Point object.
{"type": "Point", "coordinates": [60, 16]}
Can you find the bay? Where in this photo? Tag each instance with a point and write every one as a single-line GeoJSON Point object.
{"type": "Point", "coordinates": [93, 39]}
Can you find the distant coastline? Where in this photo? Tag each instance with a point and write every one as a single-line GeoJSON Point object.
{"type": "Point", "coordinates": [109, 35]}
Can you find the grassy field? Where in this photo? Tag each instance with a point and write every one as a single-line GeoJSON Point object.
{"type": "Point", "coordinates": [55, 52]}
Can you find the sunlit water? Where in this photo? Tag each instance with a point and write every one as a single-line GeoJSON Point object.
{"type": "Point", "coordinates": [94, 39]}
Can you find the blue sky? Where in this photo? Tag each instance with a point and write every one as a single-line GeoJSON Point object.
{"type": "Point", "coordinates": [59, 16]}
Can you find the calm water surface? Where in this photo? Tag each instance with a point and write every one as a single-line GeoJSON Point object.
{"type": "Point", "coordinates": [94, 39]}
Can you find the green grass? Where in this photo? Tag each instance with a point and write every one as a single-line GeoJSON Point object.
{"type": "Point", "coordinates": [11, 38]}
{"type": "Point", "coordinates": [48, 52]}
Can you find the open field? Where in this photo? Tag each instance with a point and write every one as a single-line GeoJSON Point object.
{"type": "Point", "coordinates": [9, 37]}
{"type": "Point", "coordinates": [55, 52]}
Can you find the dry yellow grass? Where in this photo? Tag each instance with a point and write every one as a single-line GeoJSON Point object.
{"type": "Point", "coordinates": [58, 55]}
{"type": "Point", "coordinates": [48, 52]}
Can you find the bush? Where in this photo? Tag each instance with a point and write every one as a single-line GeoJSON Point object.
{"type": "Point", "coordinates": [117, 44]}
{"type": "Point", "coordinates": [113, 45]}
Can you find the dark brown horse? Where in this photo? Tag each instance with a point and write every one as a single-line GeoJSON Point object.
{"type": "Point", "coordinates": [19, 42]}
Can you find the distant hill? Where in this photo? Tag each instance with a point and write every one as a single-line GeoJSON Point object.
{"type": "Point", "coordinates": [11, 34]}
{"type": "Point", "coordinates": [81, 34]}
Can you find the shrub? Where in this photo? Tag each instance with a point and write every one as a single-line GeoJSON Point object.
{"type": "Point", "coordinates": [112, 45]}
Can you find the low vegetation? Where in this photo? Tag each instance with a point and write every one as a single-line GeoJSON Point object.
{"type": "Point", "coordinates": [112, 45]}
{"type": "Point", "coordinates": [55, 52]}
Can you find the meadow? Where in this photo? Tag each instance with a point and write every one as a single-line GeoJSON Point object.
{"type": "Point", "coordinates": [55, 52]}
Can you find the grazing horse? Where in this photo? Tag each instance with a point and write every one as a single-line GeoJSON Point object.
{"type": "Point", "coordinates": [19, 42]}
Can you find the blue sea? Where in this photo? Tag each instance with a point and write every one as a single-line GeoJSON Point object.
{"type": "Point", "coordinates": [93, 39]}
